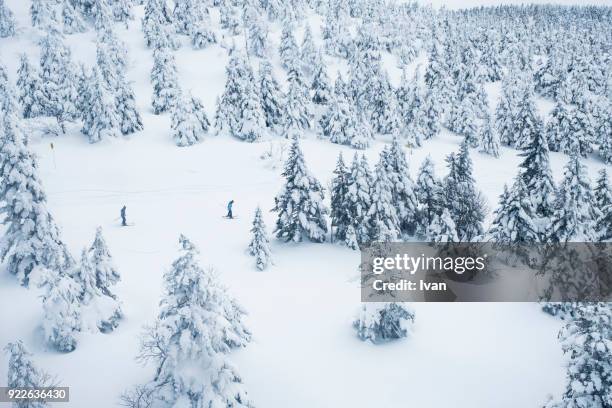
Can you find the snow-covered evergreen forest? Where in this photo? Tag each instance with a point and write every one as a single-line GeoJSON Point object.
{"type": "Point", "coordinates": [330, 124]}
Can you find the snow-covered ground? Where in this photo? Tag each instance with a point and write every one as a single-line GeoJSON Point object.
{"type": "Point", "coordinates": [305, 352]}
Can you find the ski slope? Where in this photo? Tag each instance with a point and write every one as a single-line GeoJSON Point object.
{"type": "Point", "coordinates": [305, 353]}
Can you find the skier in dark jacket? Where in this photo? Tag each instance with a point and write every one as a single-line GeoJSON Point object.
{"type": "Point", "coordinates": [229, 209]}
{"type": "Point", "coordinates": [123, 218]}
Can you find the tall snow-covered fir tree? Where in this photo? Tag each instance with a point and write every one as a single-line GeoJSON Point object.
{"type": "Point", "coordinates": [309, 54]}
{"type": "Point", "coordinates": [29, 89]}
{"type": "Point", "coordinates": [125, 103]}
{"type": "Point", "coordinates": [582, 133]}
{"type": "Point", "coordinates": [252, 124]}
{"type": "Point", "coordinates": [288, 50]}
{"type": "Point", "coordinates": [428, 190]}
{"type": "Point", "coordinates": [271, 96]}
{"type": "Point", "coordinates": [488, 140]}
{"type": "Point", "coordinates": [99, 309]}
{"type": "Point", "coordinates": [259, 247]}
{"type": "Point", "coordinates": [461, 197]}
{"type": "Point", "coordinates": [23, 373]}
{"type": "Point", "coordinates": [256, 31]}
{"type": "Point", "coordinates": [59, 86]}
{"type": "Point", "coordinates": [164, 77]}
{"type": "Point", "coordinates": [321, 88]}
{"type": "Point", "coordinates": [603, 203]}
{"type": "Point", "coordinates": [527, 123]}
{"type": "Point", "coordinates": [338, 122]}
{"type": "Point", "coordinates": [187, 14]}
{"type": "Point", "coordinates": [228, 115]}
{"type": "Point", "coordinates": [72, 20]}
{"type": "Point", "coordinates": [158, 25]}
{"type": "Point", "coordinates": [122, 11]}
{"type": "Point", "coordinates": [101, 119]}
{"type": "Point", "coordinates": [102, 263]}
{"type": "Point", "coordinates": [62, 312]}
{"type": "Point", "coordinates": [359, 199]}
{"type": "Point", "coordinates": [31, 237]}
{"type": "Point", "coordinates": [382, 218]}
{"type": "Point", "coordinates": [558, 127]}
{"type": "Point", "coordinates": [197, 324]}
{"type": "Point", "coordinates": [189, 122]}
{"type": "Point", "coordinates": [537, 176]}
{"type": "Point", "coordinates": [297, 112]}
{"type": "Point", "coordinates": [402, 186]}
{"type": "Point", "coordinates": [300, 207]}
{"type": "Point", "coordinates": [340, 213]}
{"type": "Point", "coordinates": [575, 214]}
{"type": "Point", "coordinates": [7, 21]}
{"type": "Point", "coordinates": [43, 14]}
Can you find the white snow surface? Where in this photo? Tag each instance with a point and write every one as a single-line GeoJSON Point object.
{"type": "Point", "coordinates": [305, 352]}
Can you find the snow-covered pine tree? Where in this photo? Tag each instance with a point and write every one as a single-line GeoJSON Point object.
{"type": "Point", "coordinates": [297, 112]}
{"type": "Point", "coordinates": [62, 312]}
{"type": "Point", "coordinates": [188, 126]}
{"type": "Point", "coordinates": [122, 11]}
{"type": "Point", "coordinates": [488, 140]}
{"type": "Point", "coordinates": [72, 20]}
{"type": "Point", "coordinates": [197, 324]}
{"type": "Point", "coordinates": [102, 15]}
{"type": "Point", "coordinates": [507, 109]}
{"type": "Point", "coordinates": [99, 311]}
{"type": "Point", "coordinates": [59, 86]}
{"type": "Point", "coordinates": [464, 201]}
{"type": "Point", "coordinates": [581, 135]}
{"type": "Point", "coordinates": [587, 340]}
{"type": "Point", "coordinates": [31, 237]}
{"type": "Point", "coordinates": [164, 78]}
{"type": "Point", "coordinates": [338, 122]}
{"type": "Point", "coordinates": [256, 31]}
{"type": "Point", "coordinates": [575, 214]}
{"type": "Point", "coordinates": [309, 54]}
{"type": "Point", "coordinates": [129, 117]}
{"type": "Point", "coordinates": [228, 112]}
{"type": "Point", "coordinates": [29, 88]}
{"type": "Point", "coordinates": [157, 25]}
{"type": "Point", "coordinates": [300, 207]}
{"type": "Point", "coordinates": [187, 14]}
{"type": "Point", "coordinates": [43, 15]}
{"type": "Point", "coordinates": [382, 217]}
{"type": "Point", "coordinates": [514, 220]}
{"type": "Point", "coordinates": [202, 35]}
{"type": "Point", "coordinates": [527, 123]}
{"type": "Point", "coordinates": [340, 211]}
{"type": "Point", "coordinates": [359, 197]}
{"type": "Point", "coordinates": [252, 125]}
{"type": "Point", "coordinates": [428, 192]}
{"type": "Point", "coordinates": [380, 322]}
{"type": "Point", "coordinates": [402, 186]}
{"type": "Point", "coordinates": [288, 49]}
{"type": "Point", "coordinates": [537, 176]}
{"type": "Point", "coordinates": [7, 21]}
{"type": "Point", "coordinates": [259, 247]}
{"type": "Point", "coordinates": [385, 117]}
{"type": "Point", "coordinates": [442, 229]}
{"type": "Point", "coordinates": [321, 88]}
{"type": "Point", "coordinates": [101, 260]}
{"type": "Point", "coordinates": [270, 95]}
{"type": "Point", "coordinates": [363, 135]}
{"type": "Point", "coordinates": [558, 127]}
{"type": "Point", "coordinates": [8, 100]}
{"type": "Point", "coordinates": [101, 119]}
{"type": "Point", "coordinates": [23, 373]}
{"type": "Point", "coordinates": [229, 18]}
{"type": "Point", "coordinates": [603, 203]}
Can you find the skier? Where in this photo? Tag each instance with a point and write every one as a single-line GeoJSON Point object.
{"type": "Point", "coordinates": [229, 209]}
{"type": "Point", "coordinates": [123, 219]}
